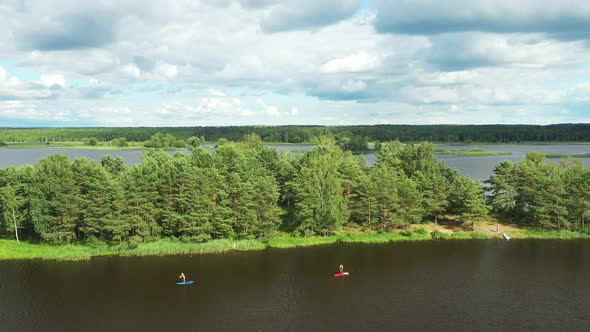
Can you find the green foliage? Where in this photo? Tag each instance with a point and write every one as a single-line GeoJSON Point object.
{"type": "Point", "coordinates": [194, 141]}
{"type": "Point", "coordinates": [540, 195]}
{"type": "Point", "coordinates": [319, 207]}
{"type": "Point", "coordinates": [161, 141]}
{"type": "Point", "coordinates": [353, 135]}
{"type": "Point", "coordinates": [246, 191]}
{"type": "Point", "coordinates": [438, 235]}
{"type": "Point", "coordinates": [90, 141]}
{"type": "Point", "coordinates": [119, 142]}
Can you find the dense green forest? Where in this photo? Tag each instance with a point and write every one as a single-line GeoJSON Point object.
{"type": "Point", "coordinates": [305, 134]}
{"type": "Point", "coordinates": [245, 190]}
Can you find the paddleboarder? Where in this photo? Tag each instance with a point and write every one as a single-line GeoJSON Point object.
{"type": "Point", "coordinates": [341, 268]}
{"type": "Point", "coordinates": [181, 276]}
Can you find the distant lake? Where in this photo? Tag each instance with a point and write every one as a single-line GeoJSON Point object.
{"type": "Point", "coordinates": [488, 285]}
{"type": "Point", "coordinates": [476, 167]}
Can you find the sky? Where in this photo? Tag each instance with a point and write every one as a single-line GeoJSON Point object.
{"type": "Point", "coordinates": [73, 63]}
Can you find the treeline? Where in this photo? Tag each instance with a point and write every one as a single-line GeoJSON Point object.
{"type": "Point", "coordinates": [246, 190]}
{"type": "Point", "coordinates": [240, 190]}
{"type": "Point", "coordinates": [554, 196]}
{"type": "Point", "coordinates": [410, 133]}
{"type": "Point", "coordinates": [305, 134]}
{"type": "Point", "coordinates": [43, 135]}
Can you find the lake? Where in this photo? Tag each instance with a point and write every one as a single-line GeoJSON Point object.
{"type": "Point", "coordinates": [476, 167]}
{"type": "Point", "coordinates": [458, 285]}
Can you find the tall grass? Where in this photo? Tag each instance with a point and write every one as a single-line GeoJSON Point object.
{"type": "Point", "coordinates": [11, 250]}
{"type": "Point", "coordinates": [469, 236]}
{"type": "Point", "coordinates": [472, 152]}
{"type": "Point", "coordinates": [546, 234]}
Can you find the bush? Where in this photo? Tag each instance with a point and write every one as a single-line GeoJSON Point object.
{"type": "Point", "coordinates": [421, 231]}
{"type": "Point", "coordinates": [90, 141]}
{"type": "Point", "coordinates": [438, 235]}
{"type": "Point", "coordinates": [120, 142]}
{"type": "Point", "coordinates": [406, 232]}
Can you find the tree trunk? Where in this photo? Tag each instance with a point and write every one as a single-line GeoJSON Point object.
{"type": "Point", "coordinates": [15, 229]}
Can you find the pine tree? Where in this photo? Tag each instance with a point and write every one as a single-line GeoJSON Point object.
{"type": "Point", "coordinates": [54, 202]}
{"type": "Point", "coordinates": [471, 202]}
{"type": "Point", "coordinates": [319, 205]}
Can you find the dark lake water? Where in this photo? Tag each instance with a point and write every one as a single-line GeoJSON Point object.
{"type": "Point", "coordinates": [443, 286]}
{"type": "Point", "coordinates": [479, 168]}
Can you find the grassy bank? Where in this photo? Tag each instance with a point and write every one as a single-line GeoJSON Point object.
{"type": "Point", "coordinates": [567, 155]}
{"type": "Point", "coordinates": [74, 145]}
{"type": "Point", "coordinates": [11, 250]}
{"type": "Point", "coordinates": [543, 234]}
{"type": "Point", "coordinates": [79, 146]}
{"type": "Point", "coordinates": [473, 152]}
{"type": "Point", "coordinates": [509, 143]}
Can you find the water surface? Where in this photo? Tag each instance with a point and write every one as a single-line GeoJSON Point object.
{"type": "Point", "coordinates": [476, 167]}
{"type": "Point", "coordinates": [446, 286]}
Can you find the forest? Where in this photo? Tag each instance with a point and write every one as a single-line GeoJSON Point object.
{"type": "Point", "coordinates": [244, 190]}
{"type": "Point", "coordinates": [305, 134]}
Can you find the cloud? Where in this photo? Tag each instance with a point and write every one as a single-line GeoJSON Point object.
{"type": "Point", "coordinates": [30, 110]}
{"type": "Point", "coordinates": [347, 89]}
{"type": "Point", "coordinates": [215, 105]}
{"type": "Point", "coordinates": [561, 18]}
{"type": "Point", "coordinates": [471, 50]}
{"type": "Point", "coordinates": [74, 31]}
{"type": "Point", "coordinates": [110, 116]}
{"type": "Point", "coordinates": [95, 90]}
{"type": "Point", "coordinates": [52, 81]}
{"type": "Point", "coordinates": [18, 109]}
{"type": "Point", "coordinates": [269, 110]}
{"type": "Point", "coordinates": [306, 14]}
{"type": "Point", "coordinates": [91, 62]}
{"type": "Point", "coordinates": [473, 95]}
{"type": "Point", "coordinates": [15, 89]}
{"type": "Point", "coordinates": [203, 62]}
{"type": "Point", "coordinates": [358, 62]}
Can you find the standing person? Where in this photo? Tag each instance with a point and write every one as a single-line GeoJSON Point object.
{"type": "Point", "coordinates": [341, 268]}
{"type": "Point", "coordinates": [181, 276]}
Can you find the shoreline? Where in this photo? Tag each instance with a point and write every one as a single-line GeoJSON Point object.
{"type": "Point", "coordinates": [11, 250]}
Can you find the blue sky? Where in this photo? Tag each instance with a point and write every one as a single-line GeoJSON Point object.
{"type": "Point", "coordinates": [333, 62]}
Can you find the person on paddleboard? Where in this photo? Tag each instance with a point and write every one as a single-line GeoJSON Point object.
{"type": "Point", "coordinates": [341, 268]}
{"type": "Point", "coordinates": [182, 276]}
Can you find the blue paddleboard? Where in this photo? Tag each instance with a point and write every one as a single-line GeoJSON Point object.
{"type": "Point", "coordinates": [506, 236]}
{"type": "Point", "coordinates": [185, 282]}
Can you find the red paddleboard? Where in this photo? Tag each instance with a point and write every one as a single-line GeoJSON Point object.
{"type": "Point", "coordinates": [341, 274]}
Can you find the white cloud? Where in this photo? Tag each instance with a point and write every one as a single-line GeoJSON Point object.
{"type": "Point", "coordinates": [268, 109]}
{"type": "Point", "coordinates": [49, 80]}
{"type": "Point", "coordinates": [166, 70]}
{"type": "Point", "coordinates": [359, 62]}
{"type": "Point", "coordinates": [131, 70]}
{"type": "Point", "coordinates": [17, 109]}
{"type": "Point", "coordinates": [12, 88]}
{"type": "Point", "coordinates": [207, 62]}
{"type": "Point", "coordinates": [352, 86]}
